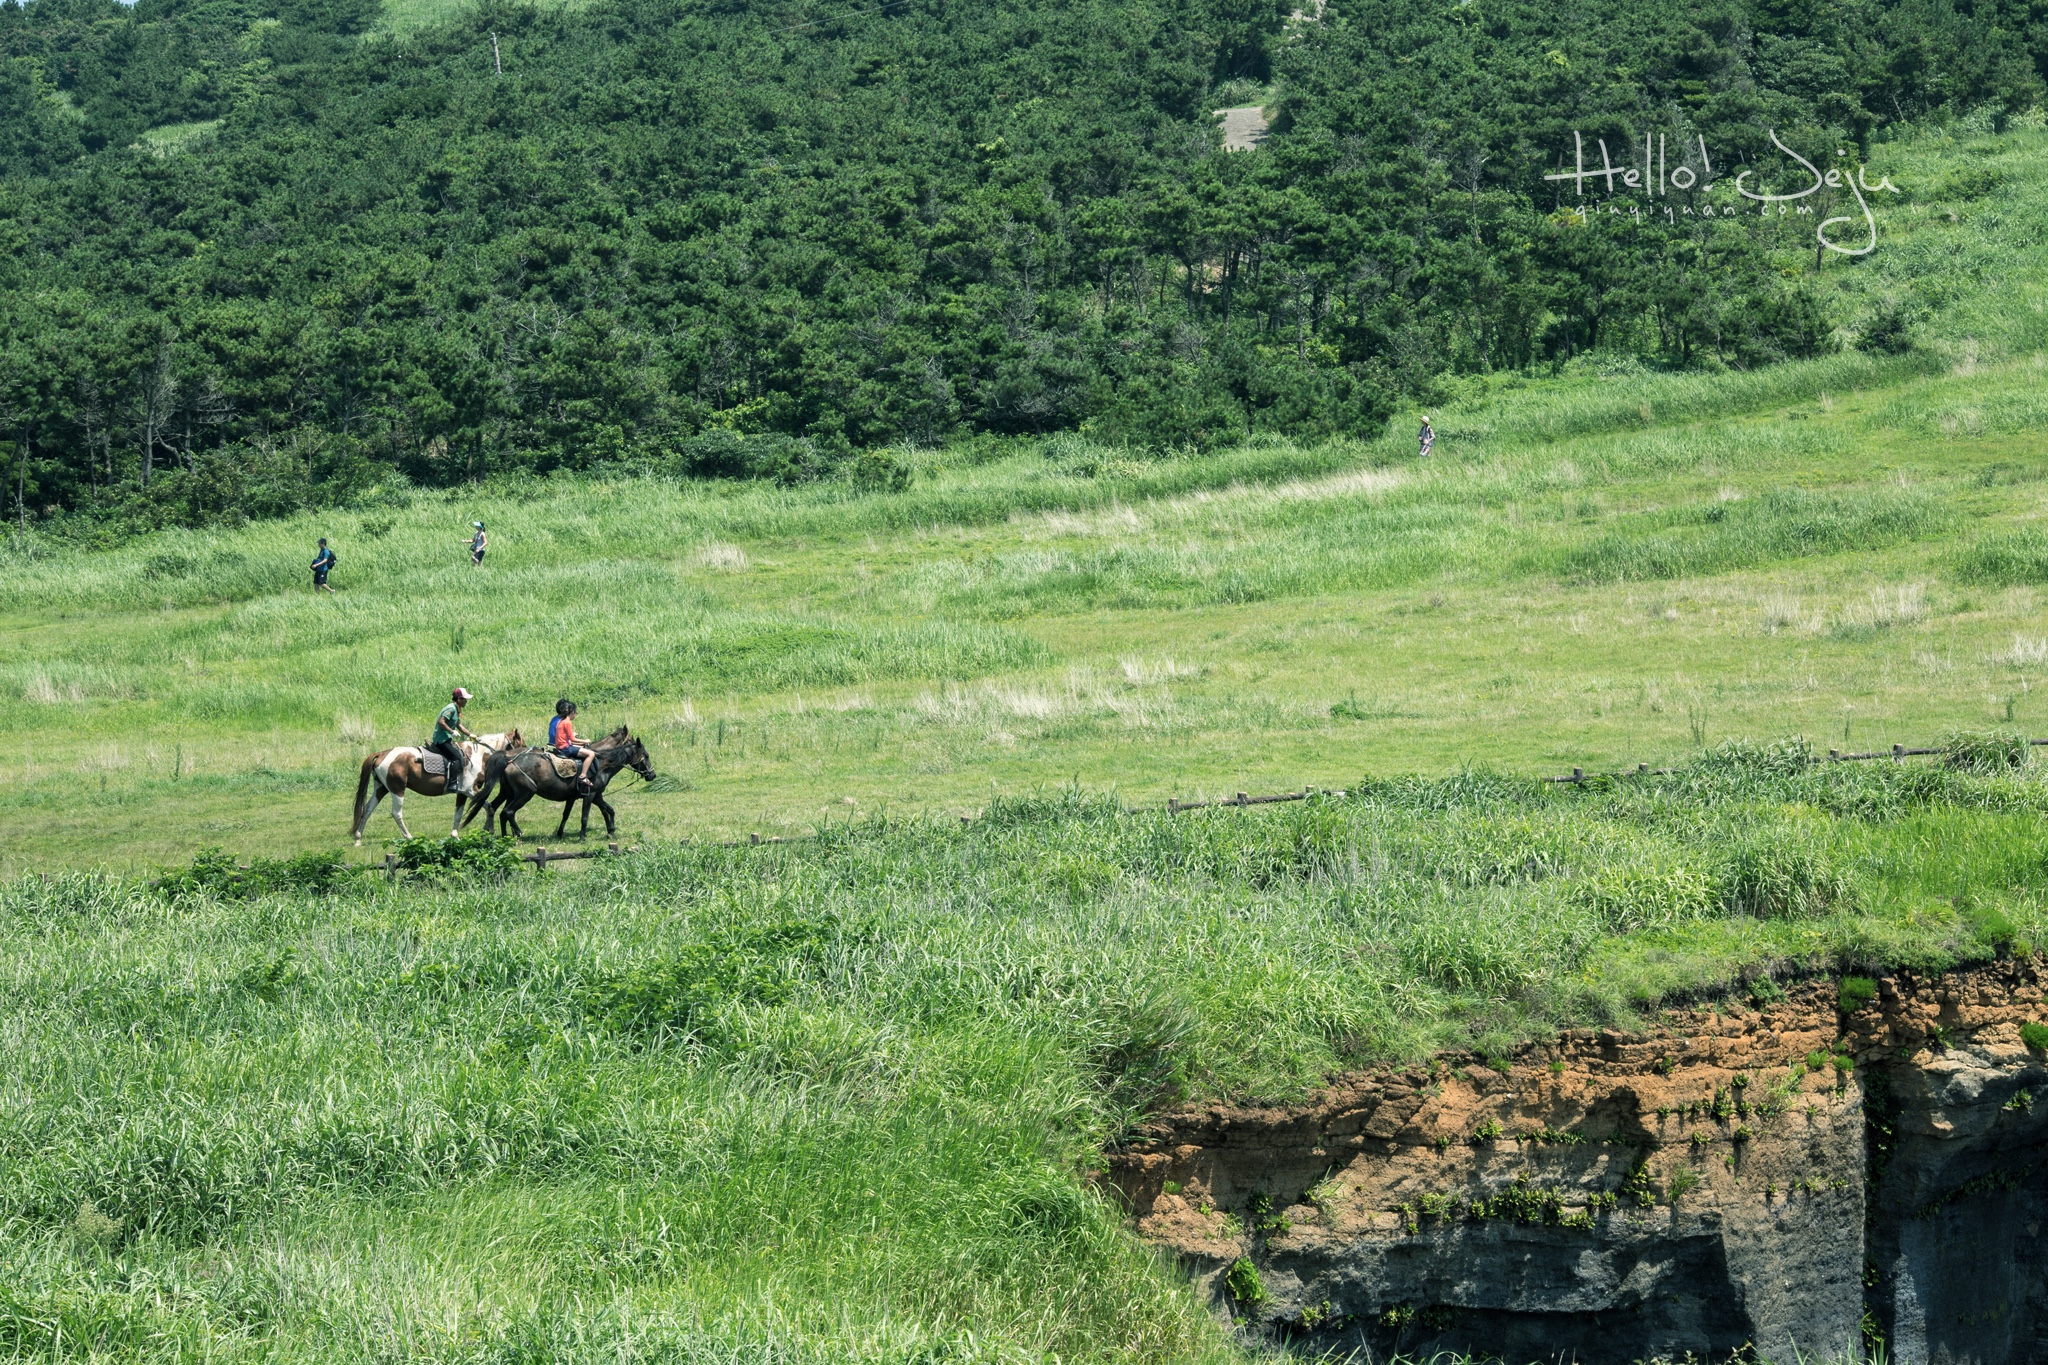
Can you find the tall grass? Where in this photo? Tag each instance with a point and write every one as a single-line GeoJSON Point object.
{"type": "Point", "coordinates": [837, 1100]}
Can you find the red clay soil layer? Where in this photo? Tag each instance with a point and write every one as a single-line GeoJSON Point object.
{"type": "Point", "coordinates": [1737, 1179]}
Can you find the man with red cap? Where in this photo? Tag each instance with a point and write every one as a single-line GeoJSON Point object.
{"type": "Point", "coordinates": [446, 727]}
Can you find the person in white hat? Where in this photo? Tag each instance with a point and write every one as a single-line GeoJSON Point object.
{"type": "Point", "coordinates": [446, 727]}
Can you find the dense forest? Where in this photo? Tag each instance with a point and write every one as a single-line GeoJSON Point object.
{"type": "Point", "coordinates": [260, 253]}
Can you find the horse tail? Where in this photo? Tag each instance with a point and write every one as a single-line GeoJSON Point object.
{"type": "Point", "coordinates": [362, 789]}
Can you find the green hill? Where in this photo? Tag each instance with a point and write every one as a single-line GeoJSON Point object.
{"type": "Point", "coordinates": [840, 1099]}
{"type": "Point", "coordinates": [264, 255]}
{"type": "Point", "coordinates": [1610, 567]}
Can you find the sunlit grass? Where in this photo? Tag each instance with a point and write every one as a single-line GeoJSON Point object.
{"type": "Point", "coordinates": [849, 1111]}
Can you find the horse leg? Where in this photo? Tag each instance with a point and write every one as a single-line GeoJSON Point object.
{"type": "Point", "coordinates": [476, 803]}
{"type": "Point", "coordinates": [611, 829]}
{"type": "Point", "coordinates": [460, 802]}
{"type": "Point", "coordinates": [508, 815]}
{"type": "Point", "coordinates": [567, 806]}
{"type": "Point", "coordinates": [398, 812]}
{"type": "Point", "coordinates": [369, 809]}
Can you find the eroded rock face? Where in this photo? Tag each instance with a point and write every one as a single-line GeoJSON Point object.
{"type": "Point", "coordinates": [1736, 1178]}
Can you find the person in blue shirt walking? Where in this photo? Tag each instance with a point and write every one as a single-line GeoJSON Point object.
{"type": "Point", "coordinates": [322, 562]}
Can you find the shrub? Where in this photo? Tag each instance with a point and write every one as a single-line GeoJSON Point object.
{"type": "Point", "coordinates": [2035, 1036]}
{"type": "Point", "coordinates": [1889, 331]}
{"type": "Point", "coordinates": [474, 854]}
{"type": "Point", "coordinates": [722, 453]}
{"type": "Point", "coordinates": [1855, 993]}
{"type": "Point", "coordinates": [1243, 1282]}
{"type": "Point", "coordinates": [216, 873]}
{"type": "Point", "coordinates": [1991, 927]}
{"type": "Point", "coordinates": [879, 471]}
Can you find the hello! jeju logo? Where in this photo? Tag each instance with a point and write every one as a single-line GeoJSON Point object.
{"type": "Point", "coordinates": [1654, 179]}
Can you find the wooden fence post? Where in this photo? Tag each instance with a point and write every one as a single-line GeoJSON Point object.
{"type": "Point", "coordinates": [613, 847]}
{"type": "Point", "coordinates": [540, 858]}
{"type": "Point", "coordinates": [1578, 774]}
{"type": "Point", "coordinates": [390, 867]}
{"type": "Point", "coordinates": [1898, 753]}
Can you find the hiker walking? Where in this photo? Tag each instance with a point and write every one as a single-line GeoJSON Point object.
{"type": "Point", "coordinates": [323, 560]}
{"type": "Point", "coordinates": [1426, 437]}
{"type": "Point", "coordinates": [478, 543]}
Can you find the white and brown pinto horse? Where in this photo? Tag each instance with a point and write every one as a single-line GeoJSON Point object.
{"type": "Point", "coordinates": [394, 772]}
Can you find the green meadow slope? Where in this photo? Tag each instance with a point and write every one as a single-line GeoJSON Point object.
{"type": "Point", "coordinates": [1600, 568]}
{"type": "Point", "coordinates": [838, 1100]}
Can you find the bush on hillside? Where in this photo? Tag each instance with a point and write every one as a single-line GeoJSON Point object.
{"type": "Point", "coordinates": [1889, 331]}
{"type": "Point", "coordinates": [1769, 327]}
{"type": "Point", "coordinates": [473, 854]}
{"type": "Point", "coordinates": [722, 453]}
{"type": "Point", "coordinates": [879, 471]}
{"type": "Point", "coordinates": [216, 873]}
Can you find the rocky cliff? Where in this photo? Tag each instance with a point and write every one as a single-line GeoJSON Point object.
{"type": "Point", "coordinates": [1812, 1174]}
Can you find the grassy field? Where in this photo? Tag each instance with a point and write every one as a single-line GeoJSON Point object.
{"type": "Point", "coordinates": [1596, 569]}
{"type": "Point", "coordinates": [837, 1100]}
{"type": "Point", "coordinates": [829, 1101]}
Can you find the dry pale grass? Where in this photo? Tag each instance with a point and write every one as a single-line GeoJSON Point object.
{"type": "Point", "coordinates": [1124, 520]}
{"type": "Point", "coordinates": [1139, 672]}
{"type": "Point", "coordinates": [721, 557]}
{"type": "Point", "coordinates": [2028, 651]}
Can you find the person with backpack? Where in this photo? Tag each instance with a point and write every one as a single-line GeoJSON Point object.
{"type": "Point", "coordinates": [323, 562]}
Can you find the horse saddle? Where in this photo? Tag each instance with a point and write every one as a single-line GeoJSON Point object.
{"type": "Point", "coordinates": [565, 768]}
{"type": "Point", "coordinates": [433, 765]}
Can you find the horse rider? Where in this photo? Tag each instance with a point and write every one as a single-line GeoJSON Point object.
{"type": "Point", "coordinates": [562, 739]}
{"type": "Point", "coordinates": [446, 727]}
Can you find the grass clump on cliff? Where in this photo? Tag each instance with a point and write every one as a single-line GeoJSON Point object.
{"type": "Point", "coordinates": [842, 1096]}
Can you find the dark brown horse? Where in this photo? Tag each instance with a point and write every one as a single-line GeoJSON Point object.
{"type": "Point", "coordinates": [394, 772]}
{"type": "Point", "coordinates": [494, 773]}
{"type": "Point", "coordinates": [533, 773]}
